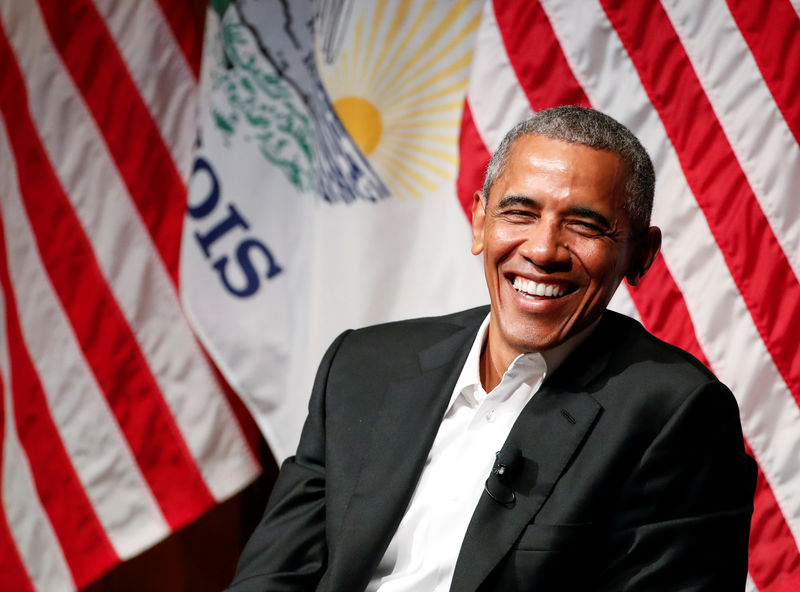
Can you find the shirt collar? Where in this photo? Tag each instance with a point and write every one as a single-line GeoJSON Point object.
{"type": "Point", "coordinates": [527, 366]}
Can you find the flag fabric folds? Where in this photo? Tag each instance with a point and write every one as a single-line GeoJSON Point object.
{"type": "Point", "coordinates": [328, 186]}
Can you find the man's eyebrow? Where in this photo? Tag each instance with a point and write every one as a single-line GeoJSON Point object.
{"type": "Point", "coordinates": [591, 214]}
{"type": "Point", "coordinates": [516, 200]}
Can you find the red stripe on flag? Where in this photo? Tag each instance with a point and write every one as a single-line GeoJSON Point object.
{"type": "Point", "coordinates": [187, 19]}
{"type": "Point", "coordinates": [662, 308]}
{"type": "Point", "coordinates": [752, 252]}
{"type": "Point", "coordinates": [13, 575]}
{"type": "Point", "coordinates": [772, 31]}
{"type": "Point", "coordinates": [474, 157]}
{"type": "Point", "coordinates": [535, 54]}
{"type": "Point", "coordinates": [106, 339]}
{"type": "Point", "coordinates": [133, 138]}
{"type": "Point", "coordinates": [83, 540]}
{"type": "Point", "coordinates": [774, 557]}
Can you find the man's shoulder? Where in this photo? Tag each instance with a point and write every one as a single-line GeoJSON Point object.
{"type": "Point", "coordinates": [642, 382]}
{"type": "Point", "coordinates": [461, 318]}
{"type": "Point", "coordinates": [401, 349]}
{"type": "Point", "coordinates": [422, 329]}
{"type": "Point", "coordinates": [644, 355]}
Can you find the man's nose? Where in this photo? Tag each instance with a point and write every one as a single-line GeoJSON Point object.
{"type": "Point", "coordinates": [544, 245]}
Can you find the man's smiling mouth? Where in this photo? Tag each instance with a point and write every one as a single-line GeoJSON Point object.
{"type": "Point", "coordinates": [531, 288]}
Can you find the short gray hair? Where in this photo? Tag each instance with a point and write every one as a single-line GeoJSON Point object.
{"type": "Point", "coordinates": [580, 125]}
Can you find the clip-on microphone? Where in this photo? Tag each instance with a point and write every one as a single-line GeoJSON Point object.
{"type": "Point", "coordinates": [506, 464]}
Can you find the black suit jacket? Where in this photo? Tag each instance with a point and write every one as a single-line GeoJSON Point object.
{"type": "Point", "coordinates": [634, 475]}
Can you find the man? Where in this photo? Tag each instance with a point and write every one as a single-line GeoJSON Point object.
{"type": "Point", "coordinates": [621, 464]}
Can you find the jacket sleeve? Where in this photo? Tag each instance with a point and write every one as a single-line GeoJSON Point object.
{"type": "Point", "coordinates": [288, 550]}
{"type": "Point", "coordinates": [682, 520]}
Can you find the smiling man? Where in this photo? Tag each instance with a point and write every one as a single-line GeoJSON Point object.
{"type": "Point", "coordinates": [543, 444]}
{"type": "Point", "coordinates": [554, 226]}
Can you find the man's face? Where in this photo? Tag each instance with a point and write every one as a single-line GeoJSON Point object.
{"type": "Point", "coordinates": [556, 242]}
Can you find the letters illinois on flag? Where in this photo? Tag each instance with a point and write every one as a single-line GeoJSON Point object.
{"type": "Point", "coordinates": [324, 185]}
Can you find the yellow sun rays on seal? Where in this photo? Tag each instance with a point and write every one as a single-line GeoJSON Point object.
{"type": "Point", "coordinates": [398, 87]}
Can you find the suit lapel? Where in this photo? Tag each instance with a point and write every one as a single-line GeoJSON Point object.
{"type": "Point", "coordinates": [401, 438]}
{"type": "Point", "coordinates": [548, 432]}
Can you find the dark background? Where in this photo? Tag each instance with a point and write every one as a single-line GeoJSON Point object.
{"type": "Point", "coordinates": [202, 556]}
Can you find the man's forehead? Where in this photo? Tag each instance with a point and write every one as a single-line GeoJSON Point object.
{"type": "Point", "coordinates": [532, 157]}
{"type": "Point", "coordinates": [547, 144]}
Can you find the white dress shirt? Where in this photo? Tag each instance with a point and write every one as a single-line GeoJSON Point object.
{"type": "Point", "coordinates": [422, 554]}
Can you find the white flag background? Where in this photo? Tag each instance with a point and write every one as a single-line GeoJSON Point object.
{"type": "Point", "coordinates": [338, 142]}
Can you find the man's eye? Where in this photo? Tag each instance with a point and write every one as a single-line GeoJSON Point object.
{"type": "Point", "coordinates": [517, 215]}
{"type": "Point", "coordinates": [586, 228]}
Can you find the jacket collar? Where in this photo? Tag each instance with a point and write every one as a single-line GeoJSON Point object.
{"type": "Point", "coordinates": [400, 440]}
{"type": "Point", "coordinates": [548, 432]}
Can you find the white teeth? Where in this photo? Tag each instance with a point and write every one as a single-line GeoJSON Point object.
{"type": "Point", "coordinates": [537, 289]}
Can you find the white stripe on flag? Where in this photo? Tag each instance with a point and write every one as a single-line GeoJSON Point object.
{"type": "Point", "coordinates": [796, 6]}
{"type": "Point", "coordinates": [724, 326]}
{"type": "Point", "coordinates": [152, 55]}
{"type": "Point", "coordinates": [30, 527]}
{"type": "Point", "coordinates": [744, 106]}
{"type": "Point", "coordinates": [99, 452]}
{"type": "Point", "coordinates": [750, 585]}
{"type": "Point", "coordinates": [622, 302]}
{"type": "Point", "coordinates": [130, 262]}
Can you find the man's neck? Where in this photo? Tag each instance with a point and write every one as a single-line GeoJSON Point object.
{"type": "Point", "coordinates": [495, 361]}
{"type": "Point", "coordinates": [490, 376]}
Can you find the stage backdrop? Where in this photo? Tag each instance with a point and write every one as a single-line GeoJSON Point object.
{"type": "Point", "coordinates": [329, 158]}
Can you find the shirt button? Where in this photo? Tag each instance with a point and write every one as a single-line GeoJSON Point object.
{"type": "Point", "coordinates": [490, 416]}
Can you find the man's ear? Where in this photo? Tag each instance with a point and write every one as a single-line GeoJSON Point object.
{"type": "Point", "coordinates": [478, 220]}
{"type": "Point", "coordinates": [644, 251]}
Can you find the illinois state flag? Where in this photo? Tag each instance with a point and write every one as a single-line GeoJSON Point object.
{"type": "Point", "coordinates": [322, 196]}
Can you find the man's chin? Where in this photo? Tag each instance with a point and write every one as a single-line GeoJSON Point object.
{"type": "Point", "coordinates": [534, 339]}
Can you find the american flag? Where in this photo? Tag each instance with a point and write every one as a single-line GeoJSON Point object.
{"type": "Point", "coordinates": [711, 89]}
{"type": "Point", "coordinates": [115, 431]}
{"type": "Point", "coordinates": [114, 426]}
